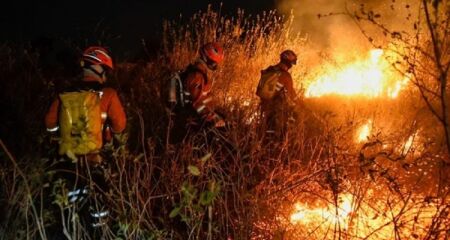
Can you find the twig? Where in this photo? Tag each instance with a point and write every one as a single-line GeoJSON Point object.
{"type": "Point", "coordinates": [30, 199]}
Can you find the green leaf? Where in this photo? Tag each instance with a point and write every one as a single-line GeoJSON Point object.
{"type": "Point", "coordinates": [174, 212]}
{"type": "Point", "coordinates": [138, 158]}
{"type": "Point", "coordinates": [194, 170]}
{"type": "Point", "coordinates": [189, 193]}
{"type": "Point", "coordinates": [206, 157]}
{"type": "Point", "coordinates": [206, 198]}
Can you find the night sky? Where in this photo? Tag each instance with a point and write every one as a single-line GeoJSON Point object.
{"type": "Point", "coordinates": [123, 23]}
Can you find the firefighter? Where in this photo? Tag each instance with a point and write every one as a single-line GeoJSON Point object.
{"type": "Point", "coordinates": [277, 95]}
{"type": "Point", "coordinates": [196, 111]}
{"type": "Point", "coordinates": [85, 115]}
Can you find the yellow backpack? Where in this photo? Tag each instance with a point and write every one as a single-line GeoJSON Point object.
{"type": "Point", "coordinates": [267, 86]}
{"type": "Point", "coordinates": [80, 120]}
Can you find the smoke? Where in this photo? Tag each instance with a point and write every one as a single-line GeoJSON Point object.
{"type": "Point", "coordinates": [339, 35]}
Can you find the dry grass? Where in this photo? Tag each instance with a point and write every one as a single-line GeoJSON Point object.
{"type": "Point", "coordinates": [245, 188]}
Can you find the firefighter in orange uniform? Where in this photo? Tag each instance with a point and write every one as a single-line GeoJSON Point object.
{"type": "Point", "coordinates": [86, 169]}
{"type": "Point", "coordinates": [197, 110]}
{"type": "Point", "coordinates": [96, 63]}
{"type": "Point", "coordinates": [277, 110]}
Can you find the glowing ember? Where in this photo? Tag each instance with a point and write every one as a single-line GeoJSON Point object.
{"type": "Point", "coordinates": [304, 214]}
{"type": "Point", "coordinates": [360, 219]}
{"type": "Point", "coordinates": [369, 77]}
{"type": "Point", "coordinates": [364, 131]}
{"type": "Point", "coordinates": [409, 144]}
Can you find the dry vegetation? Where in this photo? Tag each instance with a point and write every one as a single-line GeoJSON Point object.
{"type": "Point", "coordinates": [233, 184]}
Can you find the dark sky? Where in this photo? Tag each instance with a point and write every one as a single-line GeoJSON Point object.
{"type": "Point", "coordinates": [126, 22]}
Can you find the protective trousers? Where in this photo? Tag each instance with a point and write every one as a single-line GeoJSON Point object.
{"type": "Point", "coordinates": [85, 187]}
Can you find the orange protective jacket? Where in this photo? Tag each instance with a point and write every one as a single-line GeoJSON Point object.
{"type": "Point", "coordinates": [109, 104]}
{"type": "Point", "coordinates": [285, 80]}
{"type": "Point", "coordinates": [198, 87]}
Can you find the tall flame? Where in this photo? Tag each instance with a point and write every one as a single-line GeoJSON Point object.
{"type": "Point", "coordinates": [369, 77]}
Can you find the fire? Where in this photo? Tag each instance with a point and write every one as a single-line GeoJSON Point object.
{"type": "Point", "coordinates": [364, 131]}
{"type": "Point", "coordinates": [395, 90]}
{"type": "Point", "coordinates": [304, 214]}
{"type": "Point", "coordinates": [361, 219]}
{"type": "Point", "coordinates": [410, 144]}
{"type": "Point", "coordinates": [369, 77]}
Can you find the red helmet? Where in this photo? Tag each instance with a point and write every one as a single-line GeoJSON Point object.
{"type": "Point", "coordinates": [212, 51]}
{"type": "Point", "coordinates": [97, 56]}
{"type": "Point", "coordinates": [288, 56]}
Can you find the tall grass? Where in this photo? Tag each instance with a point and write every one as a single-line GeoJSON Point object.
{"type": "Point", "coordinates": [229, 184]}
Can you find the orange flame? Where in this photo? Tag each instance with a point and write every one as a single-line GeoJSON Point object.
{"type": "Point", "coordinates": [360, 221]}
{"type": "Point", "coordinates": [364, 131]}
{"type": "Point", "coordinates": [304, 214]}
{"type": "Point", "coordinates": [410, 144]}
{"type": "Point", "coordinates": [369, 77]}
